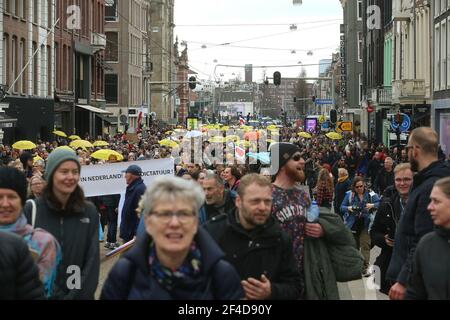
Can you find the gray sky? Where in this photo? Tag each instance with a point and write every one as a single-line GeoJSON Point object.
{"type": "Point", "coordinates": [317, 31]}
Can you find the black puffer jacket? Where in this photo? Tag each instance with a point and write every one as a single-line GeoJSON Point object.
{"type": "Point", "coordinates": [19, 275]}
{"type": "Point", "coordinates": [415, 222]}
{"type": "Point", "coordinates": [264, 250]}
{"type": "Point", "coordinates": [78, 235]}
{"type": "Point", "coordinates": [430, 279]}
{"type": "Point", "coordinates": [385, 223]}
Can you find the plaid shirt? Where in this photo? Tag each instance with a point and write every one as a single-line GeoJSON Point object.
{"type": "Point", "coordinates": [324, 195]}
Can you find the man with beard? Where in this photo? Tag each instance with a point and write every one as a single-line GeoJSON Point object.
{"type": "Point", "coordinates": [385, 177]}
{"type": "Point", "coordinates": [290, 202]}
{"type": "Point", "coordinates": [422, 151]}
{"type": "Point", "coordinates": [255, 245]}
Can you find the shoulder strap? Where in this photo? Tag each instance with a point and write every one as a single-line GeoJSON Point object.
{"type": "Point", "coordinates": [33, 212]}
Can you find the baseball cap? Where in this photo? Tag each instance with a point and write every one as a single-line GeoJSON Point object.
{"type": "Point", "coordinates": [134, 170]}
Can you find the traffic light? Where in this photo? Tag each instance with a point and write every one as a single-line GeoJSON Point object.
{"type": "Point", "coordinates": [313, 98]}
{"type": "Point", "coordinates": [295, 99]}
{"type": "Point", "coordinates": [277, 78]}
{"type": "Point", "coordinates": [192, 82]}
{"type": "Point", "coordinates": [333, 116]}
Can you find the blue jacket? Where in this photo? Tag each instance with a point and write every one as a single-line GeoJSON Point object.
{"type": "Point", "coordinates": [130, 218]}
{"type": "Point", "coordinates": [131, 279]}
{"type": "Point", "coordinates": [352, 200]}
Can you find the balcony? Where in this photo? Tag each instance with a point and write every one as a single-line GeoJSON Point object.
{"type": "Point", "coordinates": [381, 96]}
{"type": "Point", "coordinates": [401, 16]}
{"type": "Point", "coordinates": [408, 91]}
{"type": "Point", "coordinates": [98, 41]}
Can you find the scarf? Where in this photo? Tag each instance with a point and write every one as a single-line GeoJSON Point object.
{"type": "Point", "coordinates": [169, 278]}
{"type": "Point", "coordinates": [43, 247]}
{"type": "Point", "coordinates": [342, 179]}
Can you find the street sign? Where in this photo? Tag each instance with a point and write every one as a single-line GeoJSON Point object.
{"type": "Point", "coordinates": [324, 101]}
{"type": "Point", "coordinates": [404, 126]}
{"type": "Point", "coordinates": [344, 126]}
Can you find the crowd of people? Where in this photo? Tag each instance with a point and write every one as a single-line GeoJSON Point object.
{"type": "Point", "coordinates": [229, 230]}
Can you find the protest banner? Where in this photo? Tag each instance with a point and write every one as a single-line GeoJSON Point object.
{"type": "Point", "coordinates": [108, 179]}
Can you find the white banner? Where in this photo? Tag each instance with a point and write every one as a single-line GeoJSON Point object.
{"type": "Point", "coordinates": [107, 179]}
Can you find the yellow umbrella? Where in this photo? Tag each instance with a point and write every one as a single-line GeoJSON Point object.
{"type": "Point", "coordinates": [24, 145]}
{"type": "Point", "coordinates": [225, 128]}
{"type": "Point", "coordinates": [60, 133]}
{"type": "Point", "coordinates": [65, 148]}
{"type": "Point", "coordinates": [334, 136]}
{"type": "Point", "coordinates": [168, 132]}
{"type": "Point", "coordinates": [100, 143]}
{"type": "Point", "coordinates": [37, 158]}
{"type": "Point", "coordinates": [305, 135]}
{"type": "Point", "coordinates": [217, 139]}
{"type": "Point", "coordinates": [272, 127]}
{"type": "Point", "coordinates": [81, 144]}
{"type": "Point", "coordinates": [74, 137]}
{"type": "Point", "coordinates": [244, 143]}
{"type": "Point", "coordinates": [232, 138]}
{"type": "Point", "coordinates": [168, 143]}
{"type": "Point", "coordinates": [104, 154]}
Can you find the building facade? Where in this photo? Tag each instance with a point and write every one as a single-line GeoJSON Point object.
{"type": "Point", "coordinates": [127, 91]}
{"type": "Point", "coordinates": [440, 115]}
{"type": "Point", "coordinates": [351, 52]}
{"type": "Point", "coordinates": [79, 43]}
{"type": "Point", "coordinates": [164, 72]}
{"type": "Point", "coordinates": [27, 69]}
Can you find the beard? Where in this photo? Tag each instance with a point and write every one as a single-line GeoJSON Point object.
{"type": "Point", "coordinates": [297, 175]}
{"type": "Point", "coordinates": [414, 165]}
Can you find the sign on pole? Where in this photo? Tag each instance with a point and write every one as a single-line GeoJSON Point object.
{"type": "Point", "coordinates": [344, 126]}
{"type": "Point", "coordinates": [324, 101]}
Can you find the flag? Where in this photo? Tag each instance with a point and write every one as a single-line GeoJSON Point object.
{"type": "Point", "coordinates": [139, 120]}
{"type": "Point", "coordinates": [239, 154]}
{"type": "Point", "coordinates": [241, 120]}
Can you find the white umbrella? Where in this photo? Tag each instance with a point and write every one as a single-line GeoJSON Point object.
{"type": "Point", "coordinates": [193, 134]}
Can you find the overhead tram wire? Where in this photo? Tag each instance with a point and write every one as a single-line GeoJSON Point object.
{"type": "Point", "coordinates": [253, 24]}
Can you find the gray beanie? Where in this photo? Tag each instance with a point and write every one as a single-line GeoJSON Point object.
{"type": "Point", "coordinates": [56, 158]}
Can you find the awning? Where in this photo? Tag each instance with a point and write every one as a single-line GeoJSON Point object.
{"type": "Point", "coordinates": [93, 109]}
{"type": "Point", "coordinates": [111, 120]}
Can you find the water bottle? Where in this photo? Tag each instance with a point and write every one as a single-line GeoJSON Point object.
{"type": "Point", "coordinates": [313, 213]}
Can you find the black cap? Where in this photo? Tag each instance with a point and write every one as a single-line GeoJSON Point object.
{"type": "Point", "coordinates": [134, 170]}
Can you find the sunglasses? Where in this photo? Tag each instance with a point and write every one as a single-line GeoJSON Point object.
{"type": "Point", "coordinates": [297, 157]}
{"type": "Point", "coordinates": [359, 187]}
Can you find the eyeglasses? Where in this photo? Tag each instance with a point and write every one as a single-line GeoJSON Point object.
{"type": "Point", "coordinates": [404, 180]}
{"type": "Point", "coordinates": [359, 187]}
{"type": "Point", "coordinates": [183, 217]}
{"type": "Point", "coordinates": [297, 157]}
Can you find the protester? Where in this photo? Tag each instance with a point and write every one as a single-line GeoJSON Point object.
{"type": "Point", "coordinates": [291, 202]}
{"type": "Point", "coordinates": [386, 220]}
{"type": "Point", "coordinates": [218, 200]}
{"type": "Point", "coordinates": [174, 259]}
{"type": "Point", "coordinates": [385, 177]}
{"type": "Point", "coordinates": [358, 209]}
{"type": "Point", "coordinates": [342, 186]}
{"type": "Point", "coordinates": [266, 266]}
{"type": "Point", "coordinates": [430, 273]}
{"type": "Point", "coordinates": [135, 190]}
{"type": "Point", "coordinates": [416, 221]}
{"type": "Point", "coordinates": [63, 211]}
{"type": "Point", "coordinates": [36, 187]}
{"type": "Point", "coordinates": [324, 189]}
{"type": "Point", "coordinates": [231, 176]}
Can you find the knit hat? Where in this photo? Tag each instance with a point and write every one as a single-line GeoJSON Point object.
{"type": "Point", "coordinates": [283, 151]}
{"type": "Point", "coordinates": [56, 158]}
{"type": "Point", "coordinates": [11, 178]}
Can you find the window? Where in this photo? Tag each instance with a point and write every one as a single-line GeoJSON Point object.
{"type": "Point", "coordinates": [111, 10]}
{"type": "Point", "coordinates": [443, 6]}
{"type": "Point", "coordinates": [112, 46]}
{"type": "Point", "coordinates": [14, 62]}
{"type": "Point", "coordinates": [111, 88]}
{"type": "Point", "coordinates": [436, 58]}
{"type": "Point", "coordinates": [22, 9]}
{"type": "Point", "coordinates": [57, 70]}
{"type": "Point", "coordinates": [7, 5]}
{"type": "Point", "coordinates": [35, 70]}
{"type": "Point", "coordinates": [360, 46]}
{"type": "Point", "coordinates": [443, 55]}
{"type": "Point", "coordinates": [448, 53]}
{"type": "Point", "coordinates": [21, 62]}
{"type": "Point", "coordinates": [437, 7]}
{"type": "Point", "coordinates": [360, 10]}
{"type": "Point", "coordinates": [35, 11]}
{"type": "Point", "coordinates": [49, 72]}
{"type": "Point", "coordinates": [360, 79]}
{"type": "Point", "coordinates": [6, 64]}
